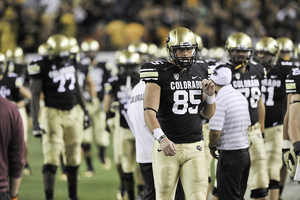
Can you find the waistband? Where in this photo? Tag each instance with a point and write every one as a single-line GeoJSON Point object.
{"type": "Point", "coordinates": [233, 151]}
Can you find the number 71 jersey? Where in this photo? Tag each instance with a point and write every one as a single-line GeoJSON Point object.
{"type": "Point", "coordinates": [58, 82]}
{"type": "Point", "coordinates": [181, 95]}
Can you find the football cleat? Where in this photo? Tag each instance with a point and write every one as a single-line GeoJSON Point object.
{"type": "Point", "coordinates": [107, 165]}
{"type": "Point", "coordinates": [63, 177]}
{"type": "Point", "coordinates": [88, 174]}
{"type": "Point", "coordinates": [121, 194]}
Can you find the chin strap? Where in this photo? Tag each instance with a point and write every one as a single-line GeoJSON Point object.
{"type": "Point", "coordinates": [241, 65]}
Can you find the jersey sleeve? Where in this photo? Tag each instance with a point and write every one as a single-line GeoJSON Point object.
{"type": "Point", "coordinates": [152, 72]}
{"type": "Point", "coordinates": [34, 69]}
{"type": "Point", "coordinates": [290, 82]}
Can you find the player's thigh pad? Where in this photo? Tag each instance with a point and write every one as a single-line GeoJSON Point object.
{"type": "Point", "coordinates": [102, 137]}
{"type": "Point", "coordinates": [273, 146]}
{"type": "Point", "coordinates": [52, 141]}
{"type": "Point", "coordinates": [208, 156]}
{"type": "Point", "coordinates": [165, 172]}
{"type": "Point", "coordinates": [24, 117]}
{"type": "Point", "coordinates": [258, 174]}
{"type": "Point", "coordinates": [128, 150]}
{"type": "Point", "coordinates": [193, 172]}
{"type": "Point", "coordinates": [72, 138]}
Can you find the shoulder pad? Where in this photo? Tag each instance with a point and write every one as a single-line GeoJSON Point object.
{"type": "Point", "coordinates": [149, 70]}
{"type": "Point", "coordinates": [18, 82]}
{"type": "Point", "coordinates": [33, 69]}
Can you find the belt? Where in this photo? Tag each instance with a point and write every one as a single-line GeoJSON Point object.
{"type": "Point", "coordinates": [233, 151]}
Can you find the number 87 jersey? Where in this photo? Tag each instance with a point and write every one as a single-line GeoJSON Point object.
{"type": "Point", "coordinates": [181, 96]}
{"type": "Point", "coordinates": [58, 82]}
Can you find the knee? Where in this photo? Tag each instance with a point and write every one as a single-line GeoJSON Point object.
{"type": "Point", "coordinates": [86, 147]}
{"type": "Point", "coordinates": [71, 169]}
{"type": "Point", "coordinates": [49, 168]}
{"type": "Point", "coordinates": [274, 184]}
{"type": "Point", "coordinates": [259, 193]}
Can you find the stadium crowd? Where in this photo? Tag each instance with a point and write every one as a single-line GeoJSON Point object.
{"type": "Point", "coordinates": [115, 24]}
{"type": "Point", "coordinates": [154, 42]}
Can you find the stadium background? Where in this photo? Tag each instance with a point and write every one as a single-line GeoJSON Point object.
{"type": "Point", "coordinates": [117, 23]}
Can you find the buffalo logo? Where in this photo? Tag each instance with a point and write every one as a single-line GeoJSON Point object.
{"type": "Point", "coordinates": [199, 148]}
{"type": "Point", "coordinates": [176, 76]}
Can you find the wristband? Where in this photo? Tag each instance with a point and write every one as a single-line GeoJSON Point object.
{"type": "Point", "coordinates": [212, 147]}
{"type": "Point", "coordinates": [157, 133]}
{"type": "Point", "coordinates": [286, 144]}
{"type": "Point", "coordinates": [161, 138]}
{"type": "Point", "coordinates": [210, 99]}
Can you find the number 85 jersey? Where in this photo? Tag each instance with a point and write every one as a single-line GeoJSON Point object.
{"type": "Point", "coordinates": [58, 82]}
{"type": "Point", "coordinates": [181, 95]}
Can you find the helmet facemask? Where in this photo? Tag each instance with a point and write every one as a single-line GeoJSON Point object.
{"type": "Point", "coordinates": [184, 62]}
{"type": "Point", "coordinates": [237, 58]}
{"type": "Point", "coordinates": [264, 58]}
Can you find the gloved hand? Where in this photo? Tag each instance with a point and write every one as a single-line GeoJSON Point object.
{"type": "Point", "coordinates": [38, 131]}
{"type": "Point", "coordinates": [288, 159]}
{"type": "Point", "coordinates": [86, 120]}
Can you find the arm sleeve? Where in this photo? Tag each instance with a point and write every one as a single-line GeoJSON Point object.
{"type": "Point", "coordinates": [16, 150]}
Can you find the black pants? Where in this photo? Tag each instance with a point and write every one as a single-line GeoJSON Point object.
{"type": "Point", "coordinates": [232, 174]}
{"type": "Point", "coordinates": [149, 189]}
{"type": "Point", "coordinates": [4, 196]}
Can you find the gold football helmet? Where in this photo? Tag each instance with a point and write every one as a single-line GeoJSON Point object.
{"type": "Point", "coordinates": [139, 47]}
{"type": "Point", "coordinates": [297, 52]}
{"type": "Point", "coordinates": [58, 46]}
{"type": "Point", "coordinates": [238, 42]}
{"type": "Point", "coordinates": [3, 63]}
{"type": "Point", "coordinates": [286, 48]}
{"type": "Point", "coordinates": [199, 41]}
{"type": "Point", "coordinates": [74, 48]}
{"type": "Point", "coordinates": [265, 51]}
{"type": "Point", "coordinates": [15, 55]}
{"type": "Point", "coordinates": [179, 38]}
{"type": "Point", "coordinates": [43, 49]}
{"type": "Point", "coordinates": [90, 45]}
{"type": "Point", "coordinates": [128, 62]}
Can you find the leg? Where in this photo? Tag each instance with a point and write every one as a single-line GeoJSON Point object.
{"type": "Point", "coordinates": [273, 145]}
{"type": "Point", "coordinates": [165, 172]}
{"type": "Point", "coordinates": [49, 172]}
{"type": "Point", "coordinates": [258, 180]}
{"type": "Point", "coordinates": [147, 173]}
{"type": "Point", "coordinates": [194, 184]}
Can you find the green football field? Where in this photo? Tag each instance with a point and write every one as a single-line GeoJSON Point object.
{"type": "Point", "coordinates": [103, 186]}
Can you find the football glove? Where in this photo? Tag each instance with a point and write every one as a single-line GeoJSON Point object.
{"type": "Point", "coordinates": [38, 131]}
{"type": "Point", "coordinates": [288, 159]}
{"type": "Point", "coordinates": [86, 120]}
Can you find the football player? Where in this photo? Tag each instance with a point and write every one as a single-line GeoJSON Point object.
{"type": "Point", "coordinates": [205, 122]}
{"type": "Point", "coordinates": [119, 88]}
{"type": "Point", "coordinates": [175, 95]}
{"type": "Point", "coordinates": [291, 136]}
{"type": "Point", "coordinates": [273, 93]}
{"type": "Point", "coordinates": [12, 88]}
{"type": "Point", "coordinates": [59, 127]}
{"type": "Point", "coordinates": [246, 78]}
{"type": "Point", "coordinates": [98, 74]}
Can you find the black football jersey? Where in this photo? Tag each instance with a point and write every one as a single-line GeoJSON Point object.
{"type": "Point", "coordinates": [249, 84]}
{"type": "Point", "coordinates": [181, 95]}
{"type": "Point", "coordinates": [293, 82]}
{"type": "Point", "coordinates": [99, 75]}
{"type": "Point", "coordinates": [274, 96]}
{"type": "Point", "coordinates": [58, 82]}
{"type": "Point", "coordinates": [121, 90]}
{"type": "Point", "coordinates": [10, 87]}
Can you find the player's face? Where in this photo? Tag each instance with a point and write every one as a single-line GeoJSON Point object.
{"type": "Point", "coordinates": [240, 55]}
{"type": "Point", "coordinates": [264, 57]}
{"type": "Point", "coordinates": [285, 55]}
{"type": "Point", "coordinates": [184, 52]}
